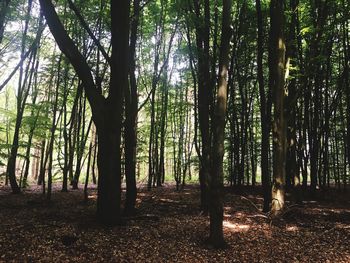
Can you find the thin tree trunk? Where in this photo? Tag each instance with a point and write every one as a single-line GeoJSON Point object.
{"type": "Point", "coordinates": [22, 94]}
{"type": "Point", "coordinates": [33, 126]}
{"type": "Point", "coordinates": [87, 174]}
{"type": "Point", "coordinates": [53, 130]}
{"type": "Point", "coordinates": [3, 11]}
{"type": "Point", "coordinates": [265, 133]}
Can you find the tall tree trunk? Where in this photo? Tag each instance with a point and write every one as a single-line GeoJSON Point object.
{"type": "Point", "coordinates": [216, 212]}
{"type": "Point", "coordinates": [346, 42]}
{"type": "Point", "coordinates": [131, 103]}
{"type": "Point", "coordinates": [106, 113]}
{"type": "Point", "coordinates": [162, 125]}
{"type": "Point", "coordinates": [152, 147]}
{"type": "Point", "coordinates": [82, 143]}
{"type": "Point", "coordinates": [8, 127]}
{"type": "Point", "coordinates": [277, 75]}
{"type": "Point", "coordinates": [202, 43]}
{"type": "Point", "coordinates": [319, 14]}
{"type": "Point", "coordinates": [65, 169]}
{"type": "Point", "coordinates": [53, 130]}
{"type": "Point", "coordinates": [22, 94]}
{"type": "Point", "coordinates": [109, 126]}
{"type": "Point", "coordinates": [292, 171]}
{"type": "Point", "coordinates": [72, 133]}
{"type": "Point", "coordinates": [34, 114]}
{"type": "Point", "coordinates": [291, 100]}
{"type": "Point", "coordinates": [265, 133]}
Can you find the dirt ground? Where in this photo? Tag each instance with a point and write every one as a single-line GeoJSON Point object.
{"type": "Point", "coordinates": [168, 227]}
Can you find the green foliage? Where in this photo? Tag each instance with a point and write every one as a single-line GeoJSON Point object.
{"type": "Point", "coordinates": [320, 55]}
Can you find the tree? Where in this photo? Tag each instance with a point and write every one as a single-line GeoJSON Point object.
{"type": "Point", "coordinates": [22, 94]}
{"type": "Point", "coordinates": [131, 110]}
{"type": "Point", "coordinates": [203, 75]}
{"type": "Point", "coordinates": [218, 123]}
{"type": "Point", "coordinates": [106, 112]}
{"type": "Point", "coordinates": [277, 80]}
{"type": "Point", "coordinates": [292, 171]}
{"type": "Point", "coordinates": [264, 114]}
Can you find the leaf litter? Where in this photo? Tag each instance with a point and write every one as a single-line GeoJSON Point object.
{"type": "Point", "coordinates": [168, 227]}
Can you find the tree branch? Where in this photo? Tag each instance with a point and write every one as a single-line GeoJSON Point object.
{"type": "Point", "coordinates": [88, 30]}
{"type": "Point", "coordinates": [24, 57]}
{"type": "Point", "coordinates": [70, 50]}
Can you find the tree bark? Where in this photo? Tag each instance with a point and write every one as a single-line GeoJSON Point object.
{"type": "Point", "coordinates": [277, 75]}
{"type": "Point", "coordinates": [3, 10]}
{"type": "Point", "coordinates": [216, 237]}
{"type": "Point", "coordinates": [202, 43]}
{"type": "Point", "coordinates": [131, 103]}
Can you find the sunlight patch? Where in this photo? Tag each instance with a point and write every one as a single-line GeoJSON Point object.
{"type": "Point", "coordinates": [167, 200]}
{"type": "Point", "coordinates": [236, 227]}
{"type": "Point", "coordinates": [292, 228]}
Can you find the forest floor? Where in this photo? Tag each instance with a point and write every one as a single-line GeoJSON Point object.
{"type": "Point", "coordinates": [169, 228]}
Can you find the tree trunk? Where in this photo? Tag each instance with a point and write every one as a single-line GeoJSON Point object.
{"type": "Point", "coordinates": [65, 169]}
{"type": "Point", "coordinates": [3, 10]}
{"type": "Point", "coordinates": [277, 75]}
{"type": "Point", "coordinates": [22, 94]}
{"type": "Point", "coordinates": [202, 42]}
{"type": "Point", "coordinates": [109, 183]}
{"type": "Point", "coordinates": [87, 173]}
{"type": "Point", "coordinates": [265, 133]}
{"type": "Point", "coordinates": [106, 113]}
{"type": "Point", "coordinates": [34, 70]}
{"type": "Point", "coordinates": [216, 212]}
{"type": "Point", "coordinates": [131, 103]}
{"type": "Point", "coordinates": [52, 130]}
